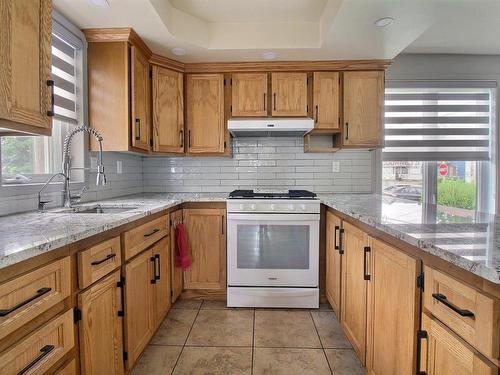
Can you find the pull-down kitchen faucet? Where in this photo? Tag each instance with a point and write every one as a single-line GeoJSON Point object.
{"type": "Point", "coordinates": [68, 199]}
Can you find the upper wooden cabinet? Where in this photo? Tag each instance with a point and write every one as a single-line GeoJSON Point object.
{"type": "Point", "coordinates": [326, 100]}
{"type": "Point", "coordinates": [205, 230]}
{"type": "Point", "coordinates": [25, 67]}
{"type": "Point", "coordinates": [205, 113]}
{"type": "Point", "coordinates": [363, 109]}
{"type": "Point", "coordinates": [334, 251]}
{"type": "Point", "coordinates": [289, 94]}
{"type": "Point", "coordinates": [168, 111]}
{"type": "Point", "coordinates": [119, 92]}
{"type": "Point", "coordinates": [249, 94]}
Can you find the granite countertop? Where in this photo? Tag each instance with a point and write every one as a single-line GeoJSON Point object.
{"type": "Point", "coordinates": [468, 240]}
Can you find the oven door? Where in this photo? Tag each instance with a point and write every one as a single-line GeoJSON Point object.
{"type": "Point", "coordinates": [273, 249]}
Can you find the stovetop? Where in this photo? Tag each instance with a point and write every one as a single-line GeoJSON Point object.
{"type": "Point", "coordinates": [292, 194]}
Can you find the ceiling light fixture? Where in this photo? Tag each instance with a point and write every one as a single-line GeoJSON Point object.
{"type": "Point", "coordinates": [269, 55]}
{"type": "Point", "coordinates": [99, 3]}
{"type": "Point", "coordinates": [384, 22]}
{"type": "Point", "coordinates": [178, 51]}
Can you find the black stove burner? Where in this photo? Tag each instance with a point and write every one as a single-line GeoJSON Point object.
{"type": "Point", "coordinates": [292, 194]}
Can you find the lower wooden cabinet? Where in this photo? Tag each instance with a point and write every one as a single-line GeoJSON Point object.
{"type": "Point", "coordinates": [393, 311]}
{"type": "Point", "coordinates": [161, 287]}
{"type": "Point", "coordinates": [354, 288]}
{"type": "Point", "coordinates": [443, 353]}
{"type": "Point", "coordinates": [334, 251]}
{"type": "Point", "coordinates": [206, 233]}
{"type": "Point", "coordinates": [176, 272]}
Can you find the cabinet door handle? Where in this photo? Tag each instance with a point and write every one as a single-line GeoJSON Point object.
{"type": "Point", "coordinates": [157, 276]}
{"type": "Point", "coordinates": [336, 247]}
{"type": "Point", "coordinates": [40, 292]}
{"type": "Point", "coordinates": [156, 230]}
{"type": "Point", "coordinates": [43, 353]}
{"type": "Point", "coordinates": [341, 244]}
{"type": "Point", "coordinates": [316, 115]}
{"type": "Point", "coordinates": [189, 138]}
{"type": "Point", "coordinates": [222, 224]}
{"type": "Point", "coordinates": [181, 137]}
{"type": "Point", "coordinates": [153, 263]}
{"type": "Point", "coordinates": [346, 130]}
{"type": "Point", "coordinates": [137, 129]}
{"type": "Point", "coordinates": [51, 111]}
{"type": "Point", "coordinates": [108, 257]}
{"type": "Point", "coordinates": [420, 336]}
{"type": "Point", "coordinates": [274, 101]}
{"type": "Point", "coordinates": [366, 250]}
{"type": "Point", "coordinates": [265, 104]}
{"type": "Point", "coordinates": [462, 312]}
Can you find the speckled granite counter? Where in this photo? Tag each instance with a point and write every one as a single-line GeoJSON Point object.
{"type": "Point", "coordinates": [469, 241]}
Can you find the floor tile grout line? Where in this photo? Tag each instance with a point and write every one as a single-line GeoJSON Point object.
{"type": "Point", "coordinates": [321, 342]}
{"type": "Point", "coordinates": [253, 341]}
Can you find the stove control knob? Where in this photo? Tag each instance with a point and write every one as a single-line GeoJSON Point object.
{"type": "Point", "coordinates": [253, 207]}
{"type": "Point", "coordinates": [272, 207]}
{"type": "Point", "coordinates": [291, 207]}
{"type": "Point", "coordinates": [302, 207]}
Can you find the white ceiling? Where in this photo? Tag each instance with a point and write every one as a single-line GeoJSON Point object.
{"type": "Point", "coordinates": [240, 30]}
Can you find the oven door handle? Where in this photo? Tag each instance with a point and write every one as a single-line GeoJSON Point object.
{"type": "Point", "coordinates": [271, 217]}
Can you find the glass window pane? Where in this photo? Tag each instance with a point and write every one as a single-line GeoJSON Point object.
{"type": "Point", "coordinates": [402, 179]}
{"type": "Point", "coordinates": [273, 246]}
{"type": "Point", "coordinates": [457, 185]}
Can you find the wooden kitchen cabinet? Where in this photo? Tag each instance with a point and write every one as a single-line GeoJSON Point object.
{"type": "Point", "coordinates": [334, 251]}
{"type": "Point", "coordinates": [25, 67]}
{"type": "Point", "coordinates": [161, 288]}
{"type": "Point", "coordinates": [205, 114]}
{"type": "Point", "coordinates": [289, 92]}
{"type": "Point", "coordinates": [168, 111]}
{"type": "Point", "coordinates": [363, 109]}
{"type": "Point", "coordinates": [249, 94]}
{"type": "Point", "coordinates": [141, 95]}
{"type": "Point", "coordinates": [176, 272]}
{"type": "Point", "coordinates": [443, 353]}
{"type": "Point", "coordinates": [206, 234]}
{"type": "Point", "coordinates": [393, 311]}
{"type": "Point", "coordinates": [326, 100]}
{"type": "Point", "coordinates": [100, 327]}
{"type": "Point", "coordinates": [354, 288]}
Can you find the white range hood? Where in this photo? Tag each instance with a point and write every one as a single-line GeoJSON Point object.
{"type": "Point", "coordinates": [270, 127]}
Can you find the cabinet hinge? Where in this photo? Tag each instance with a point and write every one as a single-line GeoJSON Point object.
{"type": "Point", "coordinates": [121, 313]}
{"type": "Point", "coordinates": [171, 293]}
{"type": "Point", "coordinates": [225, 145]}
{"type": "Point", "coordinates": [77, 314]}
{"type": "Point", "coordinates": [421, 281]}
{"type": "Point", "coordinates": [125, 356]}
{"type": "Point", "coordinates": [151, 142]}
{"type": "Point", "coordinates": [231, 108]}
{"type": "Point", "coordinates": [307, 108]}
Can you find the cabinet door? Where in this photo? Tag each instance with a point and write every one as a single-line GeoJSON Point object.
{"type": "Point", "coordinates": [393, 311]}
{"type": "Point", "coordinates": [443, 353]}
{"type": "Point", "coordinates": [205, 230]}
{"type": "Point", "coordinates": [205, 113]}
{"type": "Point", "coordinates": [100, 329]}
{"type": "Point", "coordinates": [176, 272]}
{"type": "Point", "coordinates": [363, 109]}
{"type": "Point", "coordinates": [140, 87]}
{"type": "Point", "coordinates": [289, 94]}
{"type": "Point", "coordinates": [354, 288]}
{"type": "Point", "coordinates": [249, 94]}
{"type": "Point", "coordinates": [161, 252]}
{"type": "Point", "coordinates": [139, 309]}
{"type": "Point", "coordinates": [168, 111]}
{"type": "Point", "coordinates": [333, 261]}
{"type": "Point", "coordinates": [326, 100]}
{"type": "Point", "coordinates": [25, 65]}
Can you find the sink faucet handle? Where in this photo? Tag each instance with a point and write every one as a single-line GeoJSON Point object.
{"type": "Point", "coordinates": [42, 204]}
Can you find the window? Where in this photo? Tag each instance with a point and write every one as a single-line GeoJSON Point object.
{"type": "Point", "coordinates": [439, 144]}
{"type": "Point", "coordinates": [28, 159]}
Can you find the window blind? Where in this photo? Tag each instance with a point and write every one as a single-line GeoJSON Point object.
{"type": "Point", "coordinates": [437, 122]}
{"type": "Point", "coordinates": [64, 75]}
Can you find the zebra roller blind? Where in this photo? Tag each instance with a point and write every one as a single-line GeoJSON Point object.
{"type": "Point", "coordinates": [436, 121]}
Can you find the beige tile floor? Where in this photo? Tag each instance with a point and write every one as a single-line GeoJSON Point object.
{"type": "Point", "coordinates": [206, 337]}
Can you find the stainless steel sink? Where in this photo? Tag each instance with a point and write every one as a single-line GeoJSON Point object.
{"type": "Point", "coordinates": [95, 210]}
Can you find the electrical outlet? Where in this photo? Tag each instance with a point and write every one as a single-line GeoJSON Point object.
{"type": "Point", "coordinates": [336, 166]}
{"type": "Point", "coordinates": [93, 163]}
{"type": "Point", "coordinates": [119, 167]}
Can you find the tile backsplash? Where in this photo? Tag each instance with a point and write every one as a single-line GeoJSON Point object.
{"type": "Point", "coordinates": [272, 163]}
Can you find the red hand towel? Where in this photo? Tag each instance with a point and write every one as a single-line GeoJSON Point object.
{"type": "Point", "coordinates": [182, 257]}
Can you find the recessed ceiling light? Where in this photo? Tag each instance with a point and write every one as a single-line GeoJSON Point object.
{"type": "Point", "coordinates": [269, 55]}
{"type": "Point", "coordinates": [99, 3]}
{"type": "Point", "coordinates": [178, 51]}
{"type": "Point", "coordinates": [384, 22]}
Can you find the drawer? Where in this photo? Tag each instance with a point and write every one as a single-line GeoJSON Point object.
{"type": "Point", "coordinates": [472, 315]}
{"type": "Point", "coordinates": [97, 261]}
{"type": "Point", "coordinates": [24, 298]}
{"type": "Point", "coordinates": [41, 349]}
{"type": "Point", "coordinates": [138, 239]}
{"type": "Point", "coordinates": [68, 368]}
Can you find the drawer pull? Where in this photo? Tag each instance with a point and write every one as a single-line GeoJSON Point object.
{"type": "Point", "coordinates": [462, 312]}
{"type": "Point", "coordinates": [108, 257]}
{"type": "Point", "coordinates": [44, 352]}
{"type": "Point", "coordinates": [420, 336]}
{"type": "Point", "coordinates": [40, 292]}
{"type": "Point", "coordinates": [152, 232]}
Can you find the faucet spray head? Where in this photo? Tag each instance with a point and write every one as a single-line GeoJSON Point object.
{"type": "Point", "coordinates": [101, 177]}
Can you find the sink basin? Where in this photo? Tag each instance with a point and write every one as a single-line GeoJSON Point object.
{"type": "Point", "coordinates": [95, 210]}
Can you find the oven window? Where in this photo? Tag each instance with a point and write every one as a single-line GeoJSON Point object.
{"type": "Point", "coordinates": [273, 246]}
